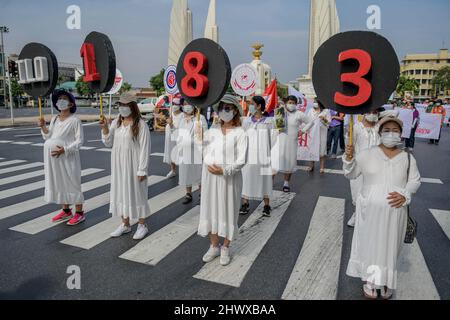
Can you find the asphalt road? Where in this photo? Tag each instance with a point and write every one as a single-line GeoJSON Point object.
{"type": "Point", "coordinates": [312, 225]}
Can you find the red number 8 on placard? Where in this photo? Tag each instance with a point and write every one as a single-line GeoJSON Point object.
{"type": "Point", "coordinates": [195, 84]}
{"type": "Point", "coordinates": [365, 87]}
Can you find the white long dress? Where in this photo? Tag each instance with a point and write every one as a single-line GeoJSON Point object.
{"type": "Point", "coordinates": [170, 139]}
{"type": "Point", "coordinates": [285, 151]}
{"type": "Point", "coordinates": [324, 125]}
{"type": "Point", "coordinates": [221, 195]}
{"type": "Point", "coordinates": [63, 174]}
{"type": "Point", "coordinates": [380, 229]}
{"type": "Point", "coordinates": [363, 138]}
{"type": "Point", "coordinates": [129, 159]}
{"type": "Point", "coordinates": [190, 156]}
{"type": "Point", "coordinates": [257, 173]}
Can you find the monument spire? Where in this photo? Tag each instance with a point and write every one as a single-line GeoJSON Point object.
{"type": "Point", "coordinates": [180, 30]}
{"type": "Point", "coordinates": [211, 28]}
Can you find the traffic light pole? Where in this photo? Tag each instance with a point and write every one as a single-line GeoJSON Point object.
{"type": "Point", "coordinates": [11, 100]}
{"type": "Point", "coordinates": [4, 66]}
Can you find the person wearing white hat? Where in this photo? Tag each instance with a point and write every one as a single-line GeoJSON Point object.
{"type": "Point", "coordinates": [129, 138]}
{"type": "Point", "coordinates": [225, 152]}
{"type": "Point", "coordinates": [173, 123]}
{"type": "Point", "coordinates": [390, 178]}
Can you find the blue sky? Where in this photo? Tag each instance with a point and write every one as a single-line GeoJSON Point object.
{"type": "Point", "coordinates": [139, 29]}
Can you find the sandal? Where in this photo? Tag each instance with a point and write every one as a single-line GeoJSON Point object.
{"type": "Point", "coordinates": [386, 293]}
{"type": "Point", "coordinates": [187, 199]}
{"type": "Point", "coordinates": [369, 292]}
{"type": "Point", "coordinates": [286, 189]}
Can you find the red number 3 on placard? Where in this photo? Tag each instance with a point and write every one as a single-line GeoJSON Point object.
{"type": "Point", "coordinates": [195, 84]}
{"type": "Point", "coordinates": [365, 87]}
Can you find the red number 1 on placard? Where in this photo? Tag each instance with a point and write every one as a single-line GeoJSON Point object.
{"type": "Point", "coordinates": [365, 87]}
{"type": "Point", "coordinates": [90, 64]}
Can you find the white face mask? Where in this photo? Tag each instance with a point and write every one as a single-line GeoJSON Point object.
{"type": "Point", "coordinates": [316, 106]}
{"type": "Point", "coordinates": [125, 111]}
{"type": "Point", "coordinates": [175, 108]}
{"type": "Point", "coordinates": [226, 116]}
{"type": "Point", "coordinates": [188, 109]}
{"type": "Point", "coordinates": [391, 139]}
{"type": "Point", "coordinates": [62, 104]}
{"type": "Point", "coordinates": [371, 117]}
{"type": "Point", "coordinates": [291, 107]}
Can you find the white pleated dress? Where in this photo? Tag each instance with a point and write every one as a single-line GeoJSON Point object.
{"type": "Point", "coordinates": [63, 174]}
{"type": "Point", "coordinates": [285, 151]}
{"type": "Point", "coordinates": [189, 153]}
{"type": "Point", "coordinates": [364, 138]}
{"type": "Point", "coordinates": [380, 229]}
{"type": "Point", "coordinates": [257, 173]}
{"type": "Point", "coordinates": [221, 195]}
{"type": "Point", "coordinates": [312, 115]}
{"type": "Point", "coordinates": [170, 139]}
{"type": "Point", "coordinates": [129, 159]}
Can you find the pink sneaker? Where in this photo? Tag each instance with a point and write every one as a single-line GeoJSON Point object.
{"type": "Point", "coordinates": [77, 219]}
{"type": "Point", "coordinates": [62, 216]}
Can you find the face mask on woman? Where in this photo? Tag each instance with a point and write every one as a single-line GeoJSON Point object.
{"type": "Point", "coordinates": [370, 117]}
{"type": "Point", "coordinates": [226, 116]}
{"type": "Point", "coordinates": [316, 106]}
{"type": "Point", "coordinates": [175, 108]}
{"type": "Point", "coordinates": [124, 111]}
{"type": "Point", "coordinates": [252, 109]}
{"type": "Point", "coordinates": [62, 104]}
{"type": "Point", "coordinates": [188, 109]}
{"type": "Point", "coordinates": [291, 107]}
{"type": "Point", "coordinates": [391, 139]}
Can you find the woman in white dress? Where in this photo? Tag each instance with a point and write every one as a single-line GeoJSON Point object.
{"type": "Point", "coordinates": [225, 150]}
{"type": "Point", "coordinates": [365, 136]}
{"type": "Point", "coordinates": [190, 157]}
{"type": "Point", "coordinates": [285, 151]}
{"type": "Point", "coordinates": [129, 138]}
{"type": "Point", "coordinates": [324, 116]}
{"type": "Point", "coordinates": [257, 174]}
{"type": "Point", "coordinates": [63, 140]}
{"type": "Point", "coordinates": [170, 140]}
{"type": "Point", "coordinates": [381, 208]}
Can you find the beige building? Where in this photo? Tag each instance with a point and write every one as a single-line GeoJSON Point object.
{"type": "Point", "coordinates": [423, 67]}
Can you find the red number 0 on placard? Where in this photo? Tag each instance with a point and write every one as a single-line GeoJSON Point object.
{"type": "Point", "coordinates": [195, 84]}
{"type": "Point", "coordinates": [365, 87]}
{"type": "Point", "coordinates": [90, 64]}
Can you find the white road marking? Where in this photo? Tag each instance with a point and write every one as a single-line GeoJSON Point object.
{"type": "Point", "coordinates": [28, 135]}
{"type": "Point", "coordinates": [20, 177]}
{"type": "Point", "coordinates": [5, 141]}
{"type": "Point", "coordinates": [253, 236]}
{"type": "Point", "coordinates": [99, 233]}
{"type": "Point", "coordinates": [87, 148]}
{"type": "Point", "coordinates": [433, 181]}
{"type": "Point", "coordinates": [22, 143]}
{"type": "Point", "coordinates": [157, 154]}
{"type": "Point", "coordinates": [316, 273]}
{"type": "Point", "coordinates": [104, 150]}
{"type": "Point", "coordinates": [38, 145]}
{"type": "Point", "coordinates": [8, 163]}
{"type": "Point", "coordinates": [23, 167]}
{"type": "Point", "coordinates": [160, 244]}
{"type": "Point", "coordinates": [443, 218]}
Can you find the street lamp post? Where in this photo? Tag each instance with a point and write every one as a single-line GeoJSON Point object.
{"type": "Point", "coordinates": [3, 29]}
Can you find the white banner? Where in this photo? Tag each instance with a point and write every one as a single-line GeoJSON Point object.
{"type": "Point", "coordinates": [407, 116]}
{"type": "Point", "coordinates": [309, 144]}
{"type": "Point", "coordinates": [447, 116]}
{"type": "Point", "coordinates": [422, 108]}
{"type": "Point", "coordinates": [430, 126]}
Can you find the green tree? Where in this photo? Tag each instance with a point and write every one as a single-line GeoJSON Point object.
{"type": "Point", "coordinates": [84, 89]}
{"type": "Point", "coordinates": [16, 89]}
{"type": "Point", "coordinates": [282, 90]}
{"type": "Point", "coordinates": [441, 81]}
{"type": "Point", "coordinates": [125, 87]}
{"type": "Point", "coordinates": [407, 84]}
{"type": "Point", "coordinates": [157, 82]}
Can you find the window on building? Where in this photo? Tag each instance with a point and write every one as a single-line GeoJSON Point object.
{"type": "Point", "coordinates": [425, 71]}
{"type": "Point", "coordinates": [423, 92]}
{"type": "Point", "coordinates": [418, 71]}
{"type": "Point", "coordinates": [424, 81]}
{"type": "Point", "coordinates": [411, 72]}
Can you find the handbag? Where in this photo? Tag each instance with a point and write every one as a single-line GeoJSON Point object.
{"type": "Point", "coordinates": [411, 227]}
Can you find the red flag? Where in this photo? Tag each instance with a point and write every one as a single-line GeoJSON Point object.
{"type": "Point", "coordinates": [271, 96]}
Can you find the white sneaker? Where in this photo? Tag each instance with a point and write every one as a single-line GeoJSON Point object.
{"type": "Point", "coordinates": [212, 254]}
{"type": "Point", "coordinates": [172, 174]}
{"type": "Point", "coordinates": [141, 232]}
{"type": "Point", "coordinates": [351, 223]}
{"type": "Point", "coordinates": [121, 231]}
{"type": "Point", "coordinates": [225, 257]}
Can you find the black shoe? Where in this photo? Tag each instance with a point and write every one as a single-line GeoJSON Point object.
{"type": "Point", "coordinates": [286, 189]}
{"type": "Point", "coordinates": [267, 210]}
{"type": "Point", "coordinates": [245, 209]}
{"type": "Point", "coordinates": [187, 199]}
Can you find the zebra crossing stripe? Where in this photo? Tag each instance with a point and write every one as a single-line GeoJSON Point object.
{"type": "Point", "coordinates": [37, 185]}
{"type": "Point", "coordinates": [316, 273]}
{"type": "Point", "coordinates": [8, 163]}
{"type": "Point", "coordinates": [38, 145]}
{"type": "Point", "coordinates": [104, 150]}
{"type": "Point", "coordinates": [31, 204]}
{"type": "Point", "coordinates": [21, 177]}
{"type": "Point", "coordinates": [23, 167]}
{"type": "Point", "coordinates": [99, 233]}
{"type": "Point", "coordinates": [5, 141]}
{"type": "Point", "coordinates": [443, 218]}
{"type": "Point", "coordinates": [432, 181]}
{"type": "Point", "coordinates": [414, 281]}
{"type": "Point", "coordinates": [43, 223]}
{"type": "Point", "coordinates": [22, 143]}
{"type": "Point", "coordinates": [159, 245]}
{"type": "Point", "coordinates": [253, 236]}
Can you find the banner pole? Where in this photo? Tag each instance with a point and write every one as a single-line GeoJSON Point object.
{"type": "Point", "coordinates": [350, 131]}
{"type": "Point", "coordinates": [101, 106]}
{"type": "Point", "coordinates": [40, 107]}
{"type": "Point", "coordinates": [110, 104]}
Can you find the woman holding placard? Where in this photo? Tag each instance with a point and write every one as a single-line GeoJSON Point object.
{"type": "Point", "coordinates": [257, 174]}
{"type": "Point", "coordinates": [63, 140]}
{"type": "Point", "coordinates": [129, 137]}
{"type": "Point", "coordinates": [390, 178]}
{"type": "Point", "coordinates": [225, 151]}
